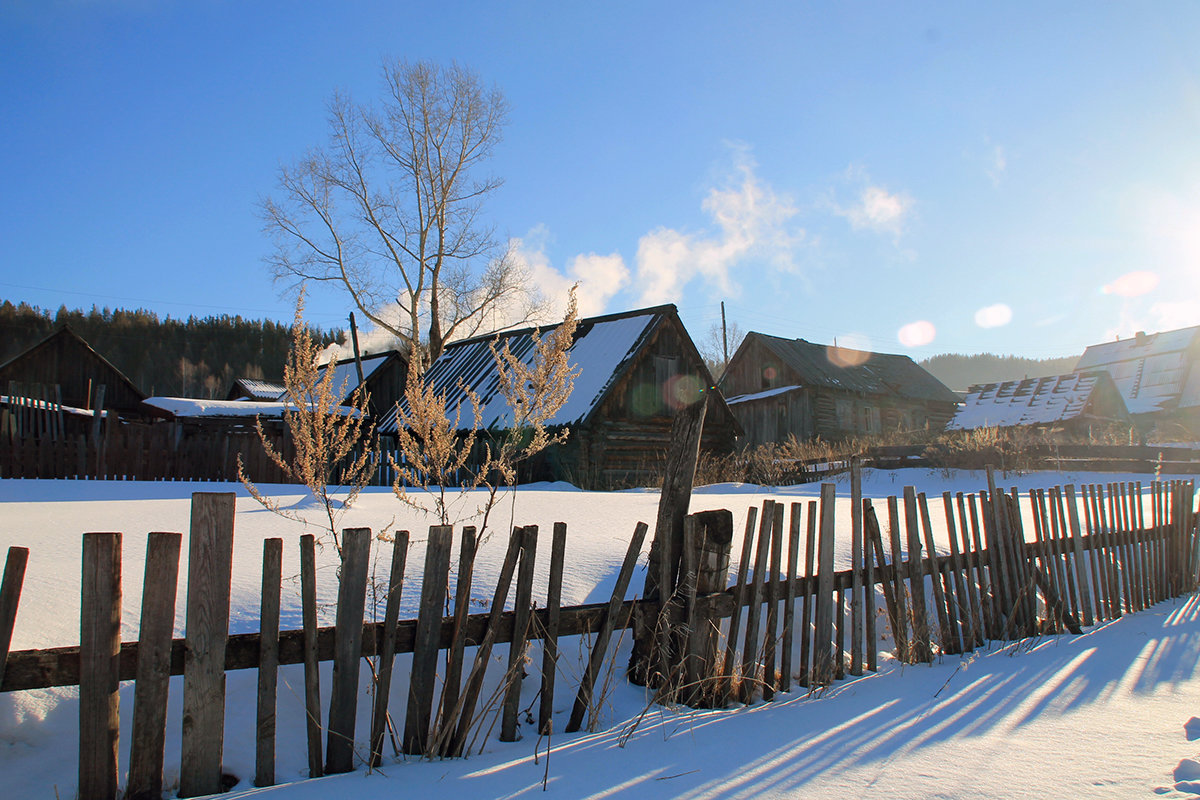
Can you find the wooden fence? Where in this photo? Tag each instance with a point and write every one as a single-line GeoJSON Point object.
{"type": "Point", "coordinates": [1095, 552]}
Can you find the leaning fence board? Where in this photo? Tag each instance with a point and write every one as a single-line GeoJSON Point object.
{"type": "Point", "coordinates": [583, 700]}
{"type": "Point", "coordinates": [462, 602]}
{"type": "Point", "coordinates": [154, 667]}
{"type": "Point", "coordinates": [558, 549]}
{"type": "Point", "coordinates": [268, 662]}
{"type": "Point", "coordinates": [875, 540]}
{"type": "Point", "coordinates": [739, 592]}
{"type": "Point", "coordinates": [516, 650]}
{"type": "Point", "coordinates": [425, 651]}
{"type": "Point", "coordinates": [806, 627]}
{"type": "Point", "coordinates": [962, 605]}
{"type": "Point", "coordinates": [750, 649]}
{"type": "Point", "coordinates": [771, 632]}
{"type": "Point", "coordinates": [898, 574]}
{"type": "Point", "coordinates": [921, 646]}
{"type": "Point", "coordinates": [99, 646]}
{"type": "Point", "coordinates": [823, 635]}
{"type": "Point", "coordinates": [343, 686]}
{"type": "Point", "coordinates": [387, 651]}
{"type": "Point", "coordinates": [789, 600]}
{"type": "Point", "coordinates": [210, 568]}
{"type": "Point", "coordinates": [10, 597]}
{"type": "Point", "coordinates": [1081, 565]}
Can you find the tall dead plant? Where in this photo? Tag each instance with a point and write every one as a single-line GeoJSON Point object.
{"type": "Point", "coordinates": [325, 434]}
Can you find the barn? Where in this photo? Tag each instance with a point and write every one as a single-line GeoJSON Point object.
{"type": "Point", "coordinates": [1157, 375]}
{"type": "Point", "coordinates": [1074, 402]}
{"type": "Point", "coordinates": [791, 387]}
{"type": "Point", "coordinates": [636, 370]}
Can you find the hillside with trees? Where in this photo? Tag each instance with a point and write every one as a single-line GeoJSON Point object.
{"type": "Point", "coordinates": [193, 357]}
{"type": "Point", "coordinates": [959, 371]}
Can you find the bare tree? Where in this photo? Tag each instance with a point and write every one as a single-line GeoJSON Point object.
{"type": "Point", "coordinates": [715, 345]}
{"type": "Point", "coordinates": [389, 210]}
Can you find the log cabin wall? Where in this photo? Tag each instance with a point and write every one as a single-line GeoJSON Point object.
{"type": "Point", "coordinates": [65, 360]}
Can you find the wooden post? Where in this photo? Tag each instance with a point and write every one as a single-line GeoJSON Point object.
{"type": "Point", "coordinates": [961, 574]}
{"type": "Point", "coordinates": [770, 637]}
{"type": "Point", "coordinates": [899, 574]}
{"type": "Point", "coordinates": [510, 707]}
{"type": "Point", "coordinates": [268, 662]}
{"type": "Point", "coordinates": [941, 598]}
{"type": "Point", "coordinates": [869, 578]}
{"type": "Point", "coordinates": [558, 551]}
{"type": "Point", "coordinates": [347, 650]}
{"type": "Point", "coordinates": [312, 668]}
{"type": "Point", "coordinates": [10, 598]}
{"type": "Point", "coordinates": [921, 646]}
{"type": "Point", "coordinates": [810, 590]}
{"type": "Point", "coordinates": [153, 667]}
{"type": "Point", "coordinates": [856, 568]}
{"type": "Point", "coordinates": [583, 700]}
{"type": "Point", "coordinates": [387, 650]}
{"type": "Point", "coordinates": [691, 649]}
{"type": "Point", "coordinates": [823, 636]}
{"type": "Point", "coordinates": [679, 472]}
{"type": "Point", "coordinates": [425, 646]}
{"type": "Point", "coordinates": [99, 648]}
{"type": "Point", "coordinates": [462, 608]}
{"type": "Point", "coordinates": [897, 623]}
{"type": "Point", "coordinates": [210, 565]}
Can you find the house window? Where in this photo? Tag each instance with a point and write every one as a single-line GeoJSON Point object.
{"type": "Point", "coordinates": [845, 415]}
{"type": "Point", "coordinates": [870, 420]}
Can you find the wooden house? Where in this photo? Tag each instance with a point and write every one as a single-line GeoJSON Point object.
{"type": "Point", "coordinates": [1073, 402]}
{"type": "Point", "coordinates": [791, 387]}
{"type": "Point", "coordinates": [636, 370]}
{"type": "Point", "coordinates": [383, 378]}
{"type": "Point", "coordinates": [64, 374]}
{"type": "Point", "coordinates": [254, 390]}
{"type": "Point", "coordinates": [1157, 375]}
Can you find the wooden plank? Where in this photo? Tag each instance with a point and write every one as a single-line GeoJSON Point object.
{"type": "Point", "coordinates": [789, 599]}
{"type": "Point", "coordinates": [10, 599]}
{"type": "Point", "coordinates": [1075, 541]}
{"type": "Point", "coordinates": [510, 706]}
{"type": "Point", "coordinates": [421, 685]}
{"type": "Point", "coordinates": [922, 649]}
{"type": "Point", "coordinates": [1045, 553]}
{"type": "Point", "coordinates": [691, 649]}
{"type": "Point", "coordinates": [806, 617]}
{"type": "Point", "coordinates": [312, 671]}
{"type": "Point", "coordinates": [452, 739]}
{"type": "Point", "coordinates": [972, 573]}
{"type": "Point", "coordinates": [856, 565]}
{"type": "Point", "coordinates": [268, 662]}
{"type": "Point", "coordinates": [1061, 535]}
{"type": "Point", "coordinates": [583, 700]}
{"type": "Point", "coordinates": [739, 594]}
{"type": "Point", "coordinates": [462, 609]}
{"type": "Point", "coordinates": [348, 646]}
{"type": "Point", "coordinates": [899, 573]}
{"type": "Point", "coordinates": [823, 666]}
{"type": "Point", "coordinates": [750, 649]}
{"type": "Point", "coordinates": [874, 538]}
{"type": "Point", "coordinates": [771, 633]}
{"type": "Point", "coordinates": [1145, 559]}
{"type": "Point", "coordinates": [962, 605]}
{"type": "Point", "coordinates": [387, 652]}
{"type": "Point", "coordinates": [99, 647]}
{"type": "Point", "coordinates": [154, 666]}
{"type": "Point", "coordinates": [941, 596]}
{"type": "Point", "coordinates": [558, 549]}
{"type": "Point", "coordinates": [210, 565]}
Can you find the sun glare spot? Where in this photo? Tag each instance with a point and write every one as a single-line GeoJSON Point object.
{"type": "Point", "coordinates": [841, 356]}
{"type": "Point", "coordinates": [1132, 284]}
{"type": "Point", "coordinates": [993, 316]}
{"type": "Point", "coordinates": [681, 391]}
{"type": "Point", "coordinates": [918, 333]}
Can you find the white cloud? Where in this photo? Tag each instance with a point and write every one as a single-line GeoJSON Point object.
{"type": "Point", "coordinates": [1132, 284]}
{"type": "Point", "coordinates": [993, 316]}
{"type": "Point", "coordinates": [599, 276]}
{"type": "Point", "coordinates": [751, 221]}
{"type": "Point", "coordinates": [877, 209]}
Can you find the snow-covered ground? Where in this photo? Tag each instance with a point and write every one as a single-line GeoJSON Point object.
{"type": "Point", "coordinates": [1098, 715]}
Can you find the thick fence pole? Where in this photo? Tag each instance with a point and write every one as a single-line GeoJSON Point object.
{"type": "Point", "coordinates": [268, 662]}
{"type": "Point", "coordinates": [425, 647]}
{"type": "Point", "coordinates": [343, 692]}
{"type": "Point", "coordinates": [210, 565]}
{"type": "Point", "coordinates": [10, 598]}
{"type": "Point", "coordinates": [99, 647]}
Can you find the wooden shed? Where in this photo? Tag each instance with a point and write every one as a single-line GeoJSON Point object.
{"type": "Point", "coordinates": [383, 377]}
{"type": "Point", "coordinates": [64, 360]}
{"type": "Point", "coordinates": [636, 371]}
{"type": "Point", "coordinates": [1072, 402]}
{"type": "Point", "coordinates": [791, 387]}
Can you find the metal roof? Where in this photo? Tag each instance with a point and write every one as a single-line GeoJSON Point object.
{"type": "Point", "coordinates": [859, 371]}
{"type": "Point", "coordinates": [603, 348]}
{"type": "Point", "coordinates": [1032, 401]}
{"type": "Point", "coordinates": [345, 374]}
{"type": "Point", "coordinates": [1153, 372]}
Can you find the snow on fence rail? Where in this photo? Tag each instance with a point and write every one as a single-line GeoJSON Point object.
{"type": "Point", "coordinates": [1094, 553]}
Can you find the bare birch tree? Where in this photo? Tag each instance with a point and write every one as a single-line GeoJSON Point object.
{"type": "Point", "coordinates": [389, 210]}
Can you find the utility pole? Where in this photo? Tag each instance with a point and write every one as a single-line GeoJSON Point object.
{"type": "Point", "coordinates": [357, 357]}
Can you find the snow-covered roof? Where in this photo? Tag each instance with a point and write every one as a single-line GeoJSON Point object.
{"type": "Point", "coordinates": [345, 374]}
{"type": "Point", "coordinates": [46, 405]}
{"type": "Point", "coordinates": [258, 390]}
{"type": "Point", "coordinates": [188, 407]}
{"type": "Point", "coordinates": [1033, 401]}
{"type": "Point", "coordinates": [600, 351]}
{"type": "Point", "coordinates": [1153, 372]}
{"type": "Point", "coordinates": [749, 398]}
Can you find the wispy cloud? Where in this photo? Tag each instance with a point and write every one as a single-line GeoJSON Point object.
{"type": "Point", "coordinates": [997, 164]}
{"type": "Point", "coordinates": [750, 221]}
{"type": "Point", "coordinates": [876, 209]}
{"type": "Point", "coordinates": [599, 277]}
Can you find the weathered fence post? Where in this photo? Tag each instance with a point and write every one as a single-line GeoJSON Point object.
{"type": "Point", "coordinates": [387, 653]}
{"type": "Point", "coordinates": [99, 649]}
{"type": "Point", "coordinates": [343, 690]}
{"type": "Point", "coordinates": [312, 668]}
{"type": "Point", "coordinates": [516, 648]}
{"type": "Point", "coordinates": [153, 667]}
{"type": "Point", "coordinates": [550, 641]}
{"type": "Point", "coordinates": [823, 666]}
{"type": "Point", "coordinates": [268, 662]}
{"type": "Point", "coordinates": [10, 598]}
{"type": "Point", "coordinates": [856, 566]}
{"type": "Point", "coordinates": [425, 647]}
{"type": "Point", "coordinates": [210, 565]}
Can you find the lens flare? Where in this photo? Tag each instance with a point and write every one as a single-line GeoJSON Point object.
{"type": "Point", "coordinates": [1132, 284]}
{"type": "Point", "coordinates": [916, 334]}
{"type": "Point", "coordinates": [993, 316]}
{"type": "Point", "coordinates": [681, 391]}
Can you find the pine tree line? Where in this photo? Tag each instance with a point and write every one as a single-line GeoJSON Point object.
{"type": "Point", "coordinates": [960, 372]}
{"type": "Point", "coordinates": [196, 357]}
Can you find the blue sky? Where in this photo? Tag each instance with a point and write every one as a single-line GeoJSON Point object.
{"type": "Point", "coordinates": [1012, 178]}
